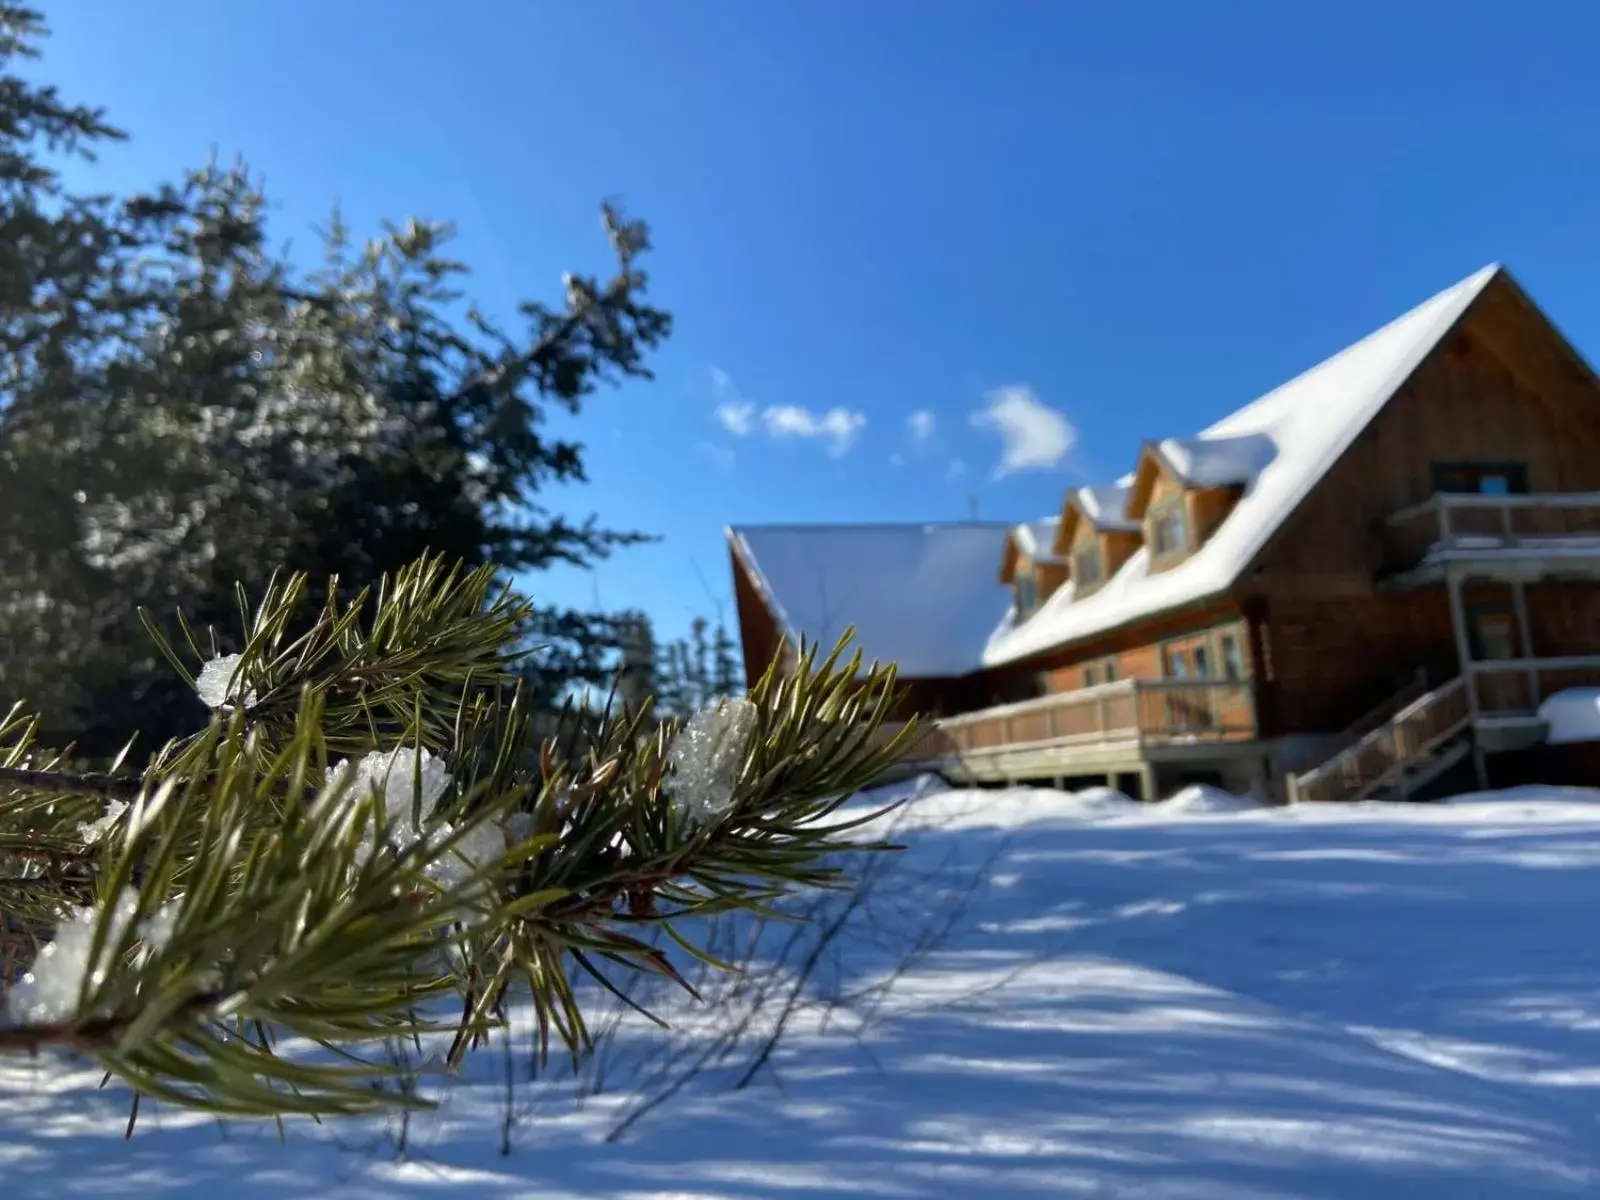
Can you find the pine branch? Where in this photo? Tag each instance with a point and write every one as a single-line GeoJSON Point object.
{"type": "Point", "coordinates": [432, 862]}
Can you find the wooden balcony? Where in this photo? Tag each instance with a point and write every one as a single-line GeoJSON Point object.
{"type": "Point", "coordinates": [1127, 718]}
{"type": "Point", "coordinates": [1509, 536]}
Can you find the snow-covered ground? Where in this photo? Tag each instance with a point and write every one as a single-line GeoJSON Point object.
{"type": "Point", "coordinates": [1194, 999]}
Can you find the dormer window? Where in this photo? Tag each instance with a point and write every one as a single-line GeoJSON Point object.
{"type": "Point", "coordinates": [1169, 532]}
{"type": "Point", "coordinates": [1086, 566]}
{"type": "Point", "coordinates": [1027, 595]}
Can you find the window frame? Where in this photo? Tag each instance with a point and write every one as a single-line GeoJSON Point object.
{"type": "Point", "coordinates": [1089, 551]}
{"type": "Point", "coordinates": [1210, 643]}
{"type": "Point", "coordinates": [1175, 509]}
{"type": "Point", "coordinates": [1097, 671]}
{"type": "Point", "coordinates": [1024, 582]}
{"type": "Point", "coordinates": [1515, 472]}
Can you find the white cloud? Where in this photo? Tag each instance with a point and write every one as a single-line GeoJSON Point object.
{"type": "Point", "coordinates": [838, 425]}
{"type": "Point", "coordinates": [956, 469]}
{"type": "Point", "coordinates": [1032, 435]}
{"type": "Point", "coordinates": [738, 417]}
{"type": "Point", "coordinates": [920, 424]}
{"type": "Point", "coordinates": [734, 413]}
{"type": "Point", "coordinates": [723, 456]}
{"type": "Point", "coordinates": [897, 460]}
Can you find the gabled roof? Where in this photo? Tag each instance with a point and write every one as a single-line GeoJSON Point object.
{"type": "Point", "coordinates": [1035, 540]}
{"type": "Point", "coordinates": [1105, 506]}
{"type": "Point", "coordinates": [1307, 424]}
{"type": "Point", "coordinates": [921, 596]}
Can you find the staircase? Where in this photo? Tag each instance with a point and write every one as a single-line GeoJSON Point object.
{"type": "Point", "coordinates": [1421, 741]}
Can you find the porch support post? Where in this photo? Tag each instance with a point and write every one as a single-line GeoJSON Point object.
{"type": "Point", "coordinates": [1147, 781]}
{"type": "Point", "coordinates": [1519, 598]}
{"type": "Point", "coordinates": [1458, 622]}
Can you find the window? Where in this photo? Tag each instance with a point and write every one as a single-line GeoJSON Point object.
{"type": "Point", "coordinates": [1484, 478]}
{"type": "Point", "coordinates": [1026, 594]}
{"type": "Point", "coordinates": [1086, 566]}
{"type": "Point", "coordinates": [1491, 632]}
{"type": "Point", "coordinates": [1232, 656]}
{"type": "Point", "coordinates": [1102, 671]}
{"type": "Point", "coordinates": [1202, 663]}
{"type": "Point", "coordinates": [1177, 664]}
{"type": "Point", "coordinates": [1168, 532]}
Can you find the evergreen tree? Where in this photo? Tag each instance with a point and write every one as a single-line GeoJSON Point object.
{"type": "Point", "coordinates": [184, 408]}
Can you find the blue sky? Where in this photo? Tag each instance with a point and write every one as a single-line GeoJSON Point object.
{"type": "Point", "coordinates": [879, 221]}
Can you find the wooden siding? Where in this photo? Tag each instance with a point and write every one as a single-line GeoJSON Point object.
{"type": "Point", "coordinates": [1048, 576]}
{"type": "Point", "coordinates": [758, 629]}
{"type": "Point", "coordinates": [1208, 508]}
{"type": "Point", "coordinates": [1118, 547]}
{"type": "Point", "coordinates": [1334, 640]}
{"type": "Point", "coordinates": [1136, 649]}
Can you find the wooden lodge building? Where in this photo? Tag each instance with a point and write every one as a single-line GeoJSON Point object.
{"type": "Point", "coordinates": [1364, 583]}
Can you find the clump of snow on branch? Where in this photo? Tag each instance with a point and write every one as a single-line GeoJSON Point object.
{"type": "Point", "coordinates": [219, 683]}
{"type": "Point", "coordinates": [62, 971]}
{"type": "Point", "coordinates": [706, 757]}
{"type": "Point", "coordinates": [481, 845]}
{"type": "Point", "coordinates": [410, 783]}
{"type": "Point", "coordinates": [92, 831]}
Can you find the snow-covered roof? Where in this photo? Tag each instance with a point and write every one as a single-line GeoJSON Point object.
{"type": "Point", "coordinates": [924, 597]}
{"type": "Point", "coordinates": [1037, 539]}
{"type": "Point", "coordinates": [1306, 424]}
{"type": "Point", "coordinates": [1217, 461]}
{"type": "Point", "coordinates": [1106, 504]}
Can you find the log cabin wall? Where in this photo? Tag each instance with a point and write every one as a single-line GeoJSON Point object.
{"type": "Point", "coordinates": [1503, 388]}
{"type": "Point", "coordinates": [1135, 649]}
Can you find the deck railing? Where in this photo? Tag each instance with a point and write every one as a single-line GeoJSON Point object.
{"type": "Point", "coordinates": [1408, 736]}
{"type": "Point", "coordinates": [1517, 686]}
{"type": "Point", "coordinates": [1451, 522]}
{"type": "Point", "coordinates": [1132, 711]}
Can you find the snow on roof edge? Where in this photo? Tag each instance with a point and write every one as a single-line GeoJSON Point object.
{"type": "Point", "coordinates": [1056, 625]}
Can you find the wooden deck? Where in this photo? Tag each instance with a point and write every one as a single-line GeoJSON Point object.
{"type": "Point", "coordinates": [1114, 727]}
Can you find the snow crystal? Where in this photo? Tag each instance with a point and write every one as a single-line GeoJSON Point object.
{"type": "Point", "coordinates": [483, 845]}
{"type": "Point", "coordinates": [218, 683]}
{"type": "Point", "coordinates": [394, 775]}
{"type": "Point", "coordinates": [92, 831]}
{"type": "Point", "coordinates": [518, 827]}
{"type": "Point", "coordinates": [707, 755]}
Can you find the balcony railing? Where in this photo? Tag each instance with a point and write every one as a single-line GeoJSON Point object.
{"type": "Point", "coordinates": [1516, 686]}
{"type": "Point", "coordinates": [1456, 524]}
{"type": "Point", "coordinates": [1129, 711]}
